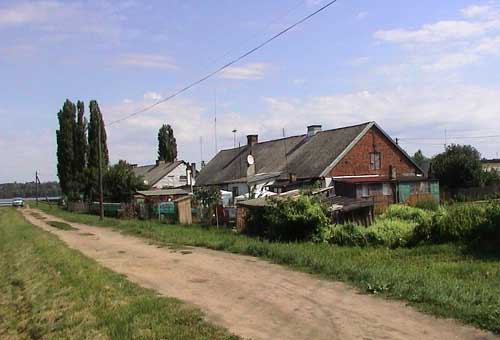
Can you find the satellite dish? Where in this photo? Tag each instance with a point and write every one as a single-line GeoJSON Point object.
{"type": "Point", "coordinates": [250, 160]}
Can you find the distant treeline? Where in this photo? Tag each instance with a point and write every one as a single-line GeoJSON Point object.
{"type": "Point", "coordinates": [48, 189]}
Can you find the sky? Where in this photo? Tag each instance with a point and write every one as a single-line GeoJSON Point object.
{"type": "Point", "coordinates": [422, 70]}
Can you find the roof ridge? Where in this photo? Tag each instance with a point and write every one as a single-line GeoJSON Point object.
{"type": "Point", "coordinates": [300, 135]}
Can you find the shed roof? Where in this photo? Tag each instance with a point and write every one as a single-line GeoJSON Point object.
{"type": "Point", "coordinates": [163, 192]}
{"type": "Point", "coordinates": [305, 156]}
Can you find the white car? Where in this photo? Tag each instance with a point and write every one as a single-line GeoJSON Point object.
{"type": "Point", "coordinates": [18, 202]}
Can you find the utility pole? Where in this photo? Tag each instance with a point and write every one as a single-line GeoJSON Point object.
{"type": "Point", "coordinates": [36, 187]}
{"type": "Point", "coordinates": [101, 196]}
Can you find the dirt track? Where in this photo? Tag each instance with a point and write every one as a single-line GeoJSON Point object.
{"type": "Point", "coordinates": [253, 298]}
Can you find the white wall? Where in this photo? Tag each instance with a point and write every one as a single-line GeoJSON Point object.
{"type": "Point", "coordinates": [173, 179]}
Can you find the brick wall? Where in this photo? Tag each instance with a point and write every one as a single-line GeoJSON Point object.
{"type": "Point", "coordinates": [357, 161]}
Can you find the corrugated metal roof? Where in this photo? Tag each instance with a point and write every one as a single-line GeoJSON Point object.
{"type": "Point", "coordinates": [163, 192]}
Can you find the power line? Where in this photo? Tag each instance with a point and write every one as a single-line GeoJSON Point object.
{"type": "Point", "coordinates": [234, 61]}
{"type": "Point", "coordinates": [448, 137]}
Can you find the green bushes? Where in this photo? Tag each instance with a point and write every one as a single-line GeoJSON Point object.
{"type": "Point", "coordinates": [391, 233]}
{"type": "Point", "coordinates": [348, 234]}
{"type": "Point", "coordinates": [428, 204]}
{"type": "Point", "coordinates": [400, 226]}
{"type": "Point", "coordinates": [386, 232]}
{"type": "Point", "coordinates": [404, 226]}
{"type": "Point", "coordinates": [457, 222]}
{"type": "Point", "coordinates": [292, 219]}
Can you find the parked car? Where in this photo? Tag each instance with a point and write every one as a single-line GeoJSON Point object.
{"type": "Point", "coordinates": [17, 202]}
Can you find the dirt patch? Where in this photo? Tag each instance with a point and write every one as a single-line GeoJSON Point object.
{"type": "Point", "coordinates": [257, 299]}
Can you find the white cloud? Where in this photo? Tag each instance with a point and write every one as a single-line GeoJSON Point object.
{"type": "Point", "coordinates": [152, 96]}
{"type": "Point", "coordinates": [26, 13]}
{"type": "Point", "coordinates": [474, 11]}
{"type": "Point", "coordinates": [252, 71]}
{"type": "Point", "coordinates": [450, 45]}
{"type": "Point", "coordinates": [439, 32]}
{"type": "Point", "coordinates": [147, 61]}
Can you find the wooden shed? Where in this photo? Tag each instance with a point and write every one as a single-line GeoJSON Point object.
{"type": "Point", "coordinates": [184, 214]}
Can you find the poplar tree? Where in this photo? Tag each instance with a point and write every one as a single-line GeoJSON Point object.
{"type": "Point", "coordinates": [167, 145]}
{"type": "Point", "coordinates": [80, 148]}
{"type": "Point", "coordinates": [95, 123]}
{"type": "Point", "coordinates": [65, 148]}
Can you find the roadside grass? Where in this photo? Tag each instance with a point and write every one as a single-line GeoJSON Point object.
{"type": "Point", "coordinates": [445, 280]}
{"type": "Point", "coordinates": [60, 225]}
{"type": "Point", "coordinates": [50, 291]}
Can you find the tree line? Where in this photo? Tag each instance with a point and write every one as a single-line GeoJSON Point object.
{"type": "Point", "coordinates": [25, 190]}
{"type": "Point", "coordinates": [459, 166]}
{"type": "Point", "coordinates": [78, 144]}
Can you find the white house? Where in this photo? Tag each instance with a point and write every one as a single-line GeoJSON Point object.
{"type": "Point", "coordinates": [167, 174]}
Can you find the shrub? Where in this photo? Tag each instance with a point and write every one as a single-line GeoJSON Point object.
{"type": "Point", "coordinates": [291, 219]}
{"type": "Point", "coordinates": [457, 222]}
{"type": "Point", "coordinates": [427, 204]}
{"type": "Point", "coordinates": [488, 233]}
{"type": "Point", "coordinates": [348, 234]}
{"type": "Point", "coordinates": [407, 213]}
{"type": "Point", "coordinates": [391, 233]}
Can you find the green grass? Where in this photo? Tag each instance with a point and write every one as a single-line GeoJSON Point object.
{"type": "Point", "coordinates": [50, 291]}
{"type": "Point", "coordinates": [60, 225]}
{"type": "Point", "coordinates": [444, 280]}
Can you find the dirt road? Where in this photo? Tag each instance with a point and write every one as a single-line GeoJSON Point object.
{"type": "Point", "coordinates": [253, 298]}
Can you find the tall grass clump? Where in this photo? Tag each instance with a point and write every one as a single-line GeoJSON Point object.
{"type": "Point", "coordinates": [457, 223]}
{"type": "Point", "coordinates": [390, 233]}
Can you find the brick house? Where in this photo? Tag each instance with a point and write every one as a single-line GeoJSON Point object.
{"type": "Point", "coordinates": [360, 161]}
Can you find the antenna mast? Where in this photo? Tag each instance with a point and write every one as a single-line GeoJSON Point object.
{"type": "Point", "coordinates": [215, 119]}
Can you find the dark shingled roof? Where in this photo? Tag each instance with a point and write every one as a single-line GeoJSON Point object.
{"type": "Point", "coordinates": [307, 157]}
{"type": "Point", "coordinates": [153, 173]}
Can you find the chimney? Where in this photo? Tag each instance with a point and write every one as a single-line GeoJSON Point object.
{"type": "Point", "coordinates": [292, 177]}
{"type": "Point", "coordinates": [313, 129]}
{"type": "Point", "coordinates": [160, 162]}
{"type": "Point", "coordinates": [252, 139]}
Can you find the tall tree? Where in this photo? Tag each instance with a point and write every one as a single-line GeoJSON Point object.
{"type": "Point", "coordinates": [120, 182]}
{"type": "Point", "coordinates": [95, 123]}
{"type": "Point", "coordinates": [419, 158]}
{"type": "Point", "coordinates": [80, 147]}
{"type": "Point", "coordinates": [65, 148]}
{"type": "Point", "coordinates": [458, 167]}
{"type": "Point", "coordinates": [167, 145]}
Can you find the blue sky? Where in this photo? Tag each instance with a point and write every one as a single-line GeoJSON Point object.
{"type": "Point", "coordinates": [417, 68]}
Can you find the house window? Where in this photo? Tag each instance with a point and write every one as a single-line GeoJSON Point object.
{"type": "Point", "coordinates": [364, 191]}
{"type": "Point", "coordinates": [183, 178]}
{"type": "Point", "coordinates": [386, 189]}
{"type": "Point", "coordinates": [374, 160]}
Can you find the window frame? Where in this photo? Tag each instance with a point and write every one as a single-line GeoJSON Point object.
{"type": "Point", "coordinates": [373, 160]}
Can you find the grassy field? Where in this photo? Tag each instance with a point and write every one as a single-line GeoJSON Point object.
{"type": "Point", "coordinates": [48, 291]}
{"type": "Point", "coordinates": [445, 280]}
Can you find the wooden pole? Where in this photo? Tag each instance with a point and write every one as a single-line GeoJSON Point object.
{"type": "Point", "coordinates": [101, 195]}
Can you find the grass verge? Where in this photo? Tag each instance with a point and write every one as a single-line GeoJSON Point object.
{"type": "Point", "coordinates": [444, 280]}
{"type": "Point", "coordinates": [50, 291]}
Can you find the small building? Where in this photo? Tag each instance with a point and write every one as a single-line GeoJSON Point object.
{"type": "Point", "coordinates": [491, 164]}
{"type": "Point", "coordinates": [360, 161]}
{"type": "Point", "coordinates": [163, 195]}
{"type": "Point", "coordinates": [177, 174]}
